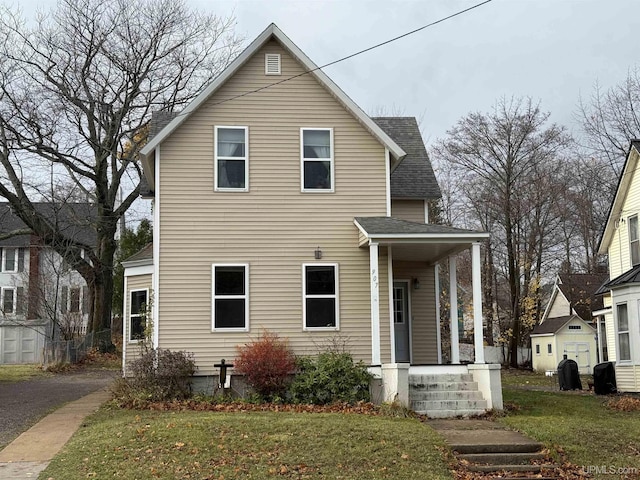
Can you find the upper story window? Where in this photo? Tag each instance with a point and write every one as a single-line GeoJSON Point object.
{"type": "Point", "coordinates": [74, 299]}
{"type": "Point", "coordinates": [634, 240]}
{"type": "Point", "coordinates": [230, 309]}
{"type": "Point", "coordinates": [575, 327]}
{"type": "Point", "coordinates": [320, 296]}
{"type": "Point", "coordinates": [316, 145]}
{"type": "Point", "coordinates": [12, 260]}
{"type": "Point", "coordinates": [232, 159]}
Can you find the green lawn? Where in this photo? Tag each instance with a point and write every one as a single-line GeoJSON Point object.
{"type": "Point", "coordinates": [589, 433]}
{"type": "Point", "coordinates": [17, 373]}
{"type": "Point", "coordinates": [141, 445]}
{"type": "Point", "coordinates": [533, 380]}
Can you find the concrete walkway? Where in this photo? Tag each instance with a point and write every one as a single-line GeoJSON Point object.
{"type": "Point", "coordinates": [31, 452]}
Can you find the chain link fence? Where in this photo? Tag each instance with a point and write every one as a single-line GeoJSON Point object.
{"type": "Point", "coordinates": [75, 350]}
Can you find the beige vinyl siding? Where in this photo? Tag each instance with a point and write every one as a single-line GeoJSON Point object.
{"type": "Point", "coordinates": [628, 378]}
{"type": "Point", "coordinates": [424, 342]}
{"type": "Point", "coordinates": [138, 282]}
{"type": "Point", "coordinates": [410, 210]}
{"type": "Point", "coordinates": [274, 227]}
{"type": "Point", "coordinates": [560, 307]}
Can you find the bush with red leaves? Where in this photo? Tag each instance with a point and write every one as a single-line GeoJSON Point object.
{"type": "Point", "coordinates": [267, 364]}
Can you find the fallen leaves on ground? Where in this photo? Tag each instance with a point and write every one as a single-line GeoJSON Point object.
{"type": "Point", "coordinates": [624, 404]}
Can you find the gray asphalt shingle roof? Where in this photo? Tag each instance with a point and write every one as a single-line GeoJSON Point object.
{"type": "Point", "coordinates": [146, 253]}
{"type": "Point", "coordinates": [76, 221]}
{"type": "Point", "coordinates": [551, 325]}
{"type": "Point", "coordinates": [413, 177]}
{"type": "Point", "coordinates": [393, 226]}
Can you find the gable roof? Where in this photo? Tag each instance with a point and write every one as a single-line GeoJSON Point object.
{"type": "Point", "coordinates": [413, 176]}
{"type": "Point", "coordinates": [271, 32]}
{"type": "Point", "coordinates": [553, 325]}
{"type": "Point", "coordinates": [76, 221]}
{"type": "Point", "coordinates": [580, 291]}
{"type": "Point", "coordinates": [624, 183]}
{"type": "Point", "coordinates": [143, 256]}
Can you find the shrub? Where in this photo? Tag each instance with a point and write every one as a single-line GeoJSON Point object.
{"type": "Point", "coordinates": [158, 375]}
{"type": "Point", "coordinates": [330, 377]}
{"type": "Point", "coordinates": [267, 364]}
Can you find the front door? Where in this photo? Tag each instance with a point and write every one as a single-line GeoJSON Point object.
{"type": "Point", "coordinates": [401, 321]}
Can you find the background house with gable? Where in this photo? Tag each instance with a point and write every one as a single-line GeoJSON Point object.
{"type": "Point", "coordinates": [40, 296]}
{"type": "Point", "coordinates": [567, 326]}
{"type": "Point", "coordinates": [621, 294]}
{"type": "Point", "coordinates": [280, 205]}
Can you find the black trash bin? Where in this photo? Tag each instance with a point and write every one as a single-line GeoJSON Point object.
{"type": "Point", "coordinates": [604, 379]}
{"type": "Point", "coordinates": [568, 375]}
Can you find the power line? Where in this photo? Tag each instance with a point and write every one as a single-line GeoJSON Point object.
{"type": "Point", "coordinates": [444, 19]}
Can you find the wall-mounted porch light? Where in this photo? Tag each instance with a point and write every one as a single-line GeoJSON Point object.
{"type": "Point", "coordinates": [318, 253]}
{"type": "Point", "coordinates": [416, 284]}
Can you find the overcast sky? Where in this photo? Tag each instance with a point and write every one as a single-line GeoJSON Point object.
{"type": "Point", "coordinates": [551, 50]}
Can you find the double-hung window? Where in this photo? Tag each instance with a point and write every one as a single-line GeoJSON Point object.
{"type": "Point", "coordinates": [12, 260]}
{"type": "Point", "coordinates": [137, 314]}
{"type": "Point", "coordinates": [624, 348]}
{"type": "Point", "coordinates": [9, 300]}
{"type": "Point", "coordinates": [232, 159]}
{"type": "Point", "coordinates": [230, 285]}
{"type": "Point", "coordinates": [320, 296]}
{"type": "Point", "coordinates": [634, 240]}
{"type": "Point", "coordinates": [316, 146]}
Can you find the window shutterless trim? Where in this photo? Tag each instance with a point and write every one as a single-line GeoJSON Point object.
{"type": "Point", "coordinates": [15, 300]}
{"type": "Point", "coordinates": [245, 159]}
{"type": "Point", "coordinates": [619, 332]}
{"type": "Point", "coordinates": [130, 315]}
{"type": "Point", "coordinates": [330, 160]}
{"type": "Point", "coordinates": [214, 297]}
{"type": "Point", "coordinates": [336, 296]}
{"type": "Point", "coordinates": [15, 259]}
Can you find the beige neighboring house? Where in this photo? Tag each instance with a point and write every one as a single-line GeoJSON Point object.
{"type": "Point", "coordinates": [621, 294]}
{"type": "Point", "coordinates": [280, 205]}
{"type": "Point", "coordinates": [567, 326]}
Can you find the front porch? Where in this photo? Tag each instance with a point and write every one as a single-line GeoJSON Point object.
{"type": "Point", "coordinates": [414, 253]}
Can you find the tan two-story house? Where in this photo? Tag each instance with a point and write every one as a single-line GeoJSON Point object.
{"type": "Point", "coordinates": [280, 205]}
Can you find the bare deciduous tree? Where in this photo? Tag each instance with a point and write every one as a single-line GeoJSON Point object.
{"type": "Point", "coordinates": [506, 157]}
{"type": "Point", "coordinates": [76, 88]}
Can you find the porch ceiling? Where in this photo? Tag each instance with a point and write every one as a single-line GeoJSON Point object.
{"type": "Point", "coordinates": [416, 241]}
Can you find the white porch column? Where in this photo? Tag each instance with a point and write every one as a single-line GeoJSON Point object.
{"type": "Point", "coordinates": [478, 337]}
{"type": "Point", "coordinates": [599, 330]}
{"type": "Point", "coordinates": [453, 310]}
{"type": "Point", "coordinates": [375, 304]}
{"type": "Point", "coordinates": [436, 271]}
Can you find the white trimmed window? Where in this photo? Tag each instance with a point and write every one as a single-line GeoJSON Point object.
{"type": "Point", "coordinates": [316, 149]}
{"type": "Point", "coordinates": [137, 314]}
{"type": "Point", "coordinates": [74, 299]}
{"type": "Point", "coordinates": [624, 348]}
{"type": "Point", "coordinates": [320, 289]}
{"type": "Point", "coordinates": [230, 294]}
{"type": "Point", "coordinates": [537, 349]}
{"type": "Point", "coordinates": [634, 240]}
{"type": "Point", "coordinates": [549, 349]}
{"type": "Point", "coordinates": [575, 327]}
{"type": "Point", "coordinates": [9, 300]}
{"type": "Point", "coordinates": [231, 159]}
{"type": "Point", "coordinates": [12, 260]}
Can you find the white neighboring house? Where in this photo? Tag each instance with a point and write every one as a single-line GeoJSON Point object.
{"type": "Point", "coordinates": [40, 296]}
{"type": "Point", "coordinates": [621, 294]}
{"type": "Point", "coordinates": [566, 326]}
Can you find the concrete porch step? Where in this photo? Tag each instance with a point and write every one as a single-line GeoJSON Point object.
{"type": "Point", "coordinates": [430, 405]}
{"type": "Point", "coordinates": [500, 447]}
{"type": "Point", "coordinates": [512, 469]}
{"type": "Point", "coordinates": [418, 395]}
{"type": "Point", "coordinates": [442, 386]}
{"type": "Point", "coordinates": [465, 413]}
{"type": "Point", "coordinates": [443, 377]}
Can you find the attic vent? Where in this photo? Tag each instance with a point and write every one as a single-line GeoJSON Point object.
{"type": "Point", "coordinates": [272, 64]}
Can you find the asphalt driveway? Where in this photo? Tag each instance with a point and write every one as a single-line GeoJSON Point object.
{"type": "Point", "coordinates": [22, 404]}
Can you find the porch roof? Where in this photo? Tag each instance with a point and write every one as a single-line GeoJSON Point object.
{"type": "Point", "coordinates": [416, 241]}
{"type": "Point", "coordinates": [630, 276]}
